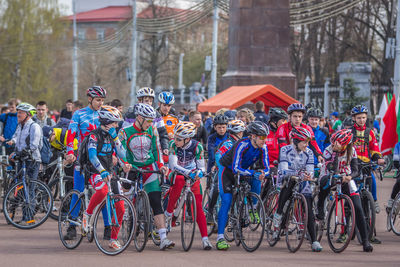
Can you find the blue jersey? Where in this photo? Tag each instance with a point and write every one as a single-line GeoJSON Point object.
{"type": "Point", "coordinates": [213, 142]}
{"type": "Point", "coordinates": [322, 138]}
{"type": "Point", "coordinates": [243, 155]}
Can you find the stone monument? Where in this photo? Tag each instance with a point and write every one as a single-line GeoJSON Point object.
{"type": "Point", "coordinates": [259, 38]}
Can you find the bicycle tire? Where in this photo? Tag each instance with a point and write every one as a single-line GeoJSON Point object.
{"type": "Point", "coordinates": [206, 199]}
{"type": "Point", "coordinates": [154, 233]}
{"type": "Point", "coordinates": [394, 216]}
{"type": "Point", "coordinates": [54, 187]}
{"type": "Point", "coordinates": [188, 220]}
{"type": "Point", "coordinates": [16, 210]}
{"type": "Point", "coordinates": [368, 206]}
{"type": "Point", "coordinates": [127, 219]}
{"type": "Point", "coordinates": [256, 225]}
{"type": "Point", "coordinates": [142, 207]}
{"type": "Point", "coordinates": [65, 219]}
{"type": "Point", "coordinates": [270, 207]}
{"type": "Point", "coordinates": [228, 233]}
{"type": "Point", "coordinates": [346, 209]}
{"type": "Point", "coordinates": [298, 215]}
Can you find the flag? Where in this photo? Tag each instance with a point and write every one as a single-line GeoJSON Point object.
{"type": "Point", "coordinates": [389, 135]}
{"type": "Point", "coordinates": [382, 110]}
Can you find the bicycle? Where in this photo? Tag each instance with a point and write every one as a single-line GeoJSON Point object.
{"type": "Point", "coordinates": [207, 196]}
{"type": "Point", "coordinates": [393, 217]}
{"type": "Point", "coordinates": [246, 219]}
{"type": "Point", "coordinates": [294, 218]}
{"type": "Point", "coordinates": [59, 184]}
{"type": "Point", "coordinates": [27, 203]}
{"type": "Point", "coordinates": [72, 217]}
{"type": "Point", "coordinates": [145, 222]}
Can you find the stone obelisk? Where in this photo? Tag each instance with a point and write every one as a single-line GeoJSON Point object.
{"type": "Point", "coordinates": [259, 38]}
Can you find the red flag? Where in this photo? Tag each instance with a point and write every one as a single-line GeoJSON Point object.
{"type": "Point", "coordinates": [389, 136]}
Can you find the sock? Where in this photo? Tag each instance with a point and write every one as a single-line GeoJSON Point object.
{"type": "Point", "coordinates": [220, 236]}
{"type": "Point", "coordinates": [168, 214]}
{"type": "Point", "coordinates": [163, 233]}
{"type": "Point", "coordinates": [204, 238]}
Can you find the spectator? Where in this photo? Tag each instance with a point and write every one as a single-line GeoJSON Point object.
{"type": "Point", "coordinates": [10, 123]}
{"type": "Point", "coordinates": [208, 121]}
{"type": "Point", "coordinates": [336, 123]}
{"type": "Point", "coordinates": [201, 132]}
{"type": "Point", "coordinates": [197, 97]}
{"type": "Point", "coordinates": [41, 116]}
{"type": "Point", "coordinates": [67, 111]}
{"type": "Point", "coordinates": [5, 109]}
{"type": "Point", "coordinates": [77, 105]}
{"type": "Point", "coordinates": [117, 104]}
{"type": "Point", "coordinates": [245, 115]}
{"type": "Point", "coordinates": [260, 112]}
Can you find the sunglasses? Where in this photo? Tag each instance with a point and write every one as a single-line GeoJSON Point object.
{"type": "Point", "coordinates": [262, 137]}
{"type": "Point", "coordinates": [149, 120]}
{"type": "Point", "coordinates": [178, 139]}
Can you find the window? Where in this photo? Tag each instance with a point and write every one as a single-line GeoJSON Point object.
{"type": "Point", "coordinates": [100, 35]}
{"type": "Point", "coordinates": [81, 34]}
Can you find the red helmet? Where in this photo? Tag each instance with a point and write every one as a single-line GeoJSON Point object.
{"type": "Point", "coordinates": [300, 134]}
{"type": "Point", "coordinates": [343, 136]}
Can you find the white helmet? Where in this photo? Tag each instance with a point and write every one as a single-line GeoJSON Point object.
{"type": "Point", "coordinates": [145, 110]}
{"type": "Point", "coordinates": [109, 114]}
{"type": "Point", "coordinates": [28, 108]}
{"type": "Point", "coordinates": [236, 126]}
{"type": "Point", "coordinates": [185, 129]}
{"type": "Point", "coordinates": [145, 91]}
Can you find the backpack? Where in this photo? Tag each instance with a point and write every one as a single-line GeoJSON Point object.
{"type": "Point", "coordinates": [45, 150]}
{"type": "Point", "coordinates": [48, 120]}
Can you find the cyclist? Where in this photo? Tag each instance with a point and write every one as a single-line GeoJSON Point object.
{"type": "Point", "coordinates": [10, 123]}
{"type": "Point", "coordinates": [101, 145]}
{"type": "Point", "coordinates": [297, 159]}
{"type": "Point", "coordinates": [277, 117]}
{"type": "Point", "coordinates": [237, 161]}
{"type": "Point", "coordinates": [341, 157]}
{"type": "Point", "coordinates": [83, 121]}
{"type": "Point", "coordinates": [235, 129]}
{"type": "Point", "coordinates": [166, 100]}
{"type": "Point", "coordinates": [146, 95]}
{"type": "Point", "coordinates": [314, 115]}
{"type": "Point", "coordinates": [396, 186]}
{"type": "Point", "coordinates": [365, 144]}
{"type": "Point", "coordinates": [142, 144]}
{"type": "Point", "coordinates": [187, 157]}
{"type": "Point", "coordinates": [296, 113]}
{"type": "Point", "coordinates": [58, 137]}
{"type": "Point", "coordinates": [219, 123]}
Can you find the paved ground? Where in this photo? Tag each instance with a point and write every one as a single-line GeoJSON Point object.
{"type": "Point", "coordinates": [42, 247]}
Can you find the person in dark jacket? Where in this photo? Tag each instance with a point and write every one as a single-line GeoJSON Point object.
{"type": "Point", "coordinates": [220, 123]}
{"type": "Point", "coordinates": [201, 132]}
{"type": "Point", "coordinates": [260, 113]}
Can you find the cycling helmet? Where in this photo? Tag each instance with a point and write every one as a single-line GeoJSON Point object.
{"type": "Point", "coordinates": [296, 107]}
{"type": "Point", "coordinates": [236, 126]}
{"type": "Point", "coordinates": [358, 110]}
{"type": "Point", "coordinates": [300, 134]}
{"type": "Point", "coordinates": [344, 137]}
{"type": "Point", "coordinates": [314, 113]}
{"type": "Point", "coordinates": [258, 128]}
{"type": "Point", "coordinates": [185, 129]}
{"type": "Point", "coordinates": [166, 98]}
{"type": "Point", "coordinates": [231, 114]}
{"type": "Point", "coordinates": [28, 108]}
{"type": "Point", "coordinates": [109, 114]}
{"type": "Point", "coordinates": [145, 91]}
{"type": "Point", "coordinates": [220, 119]}
{"type": "Point", "coordinates": [348, 122]}
{"type": "Point", "coordinates": [276, 114]}
{"type": "Point", "coordinates": [96, 91]}
{"type": "Point", "coordinates": [145, 111]}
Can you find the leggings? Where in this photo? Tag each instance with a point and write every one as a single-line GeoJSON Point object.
{"type": "Point", "coordinates": [396, 188]}
{"type": "Point", "coordinates": [174, 194]}
{"type": "Point", "coordinates": [373, 186]}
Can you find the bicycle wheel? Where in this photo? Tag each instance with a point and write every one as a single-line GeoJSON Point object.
{"type": "Point", "coordinates": [395, 216]}
{"type": "Point", "coordinates": [340, 223]}
{"type": "Point", "coordinates": [188, 221]}
{"type": "Point", "coordinates": [70, 219]}
{"type": "Point", "coordinates": [368, 205]}
{"type": "Point", "coordinates": [54, 187]}
{"type": "Point", "coordinates": [252, 222]}
{"type": "Point", "coordinates": [142, 206]}
{"type": "Point", "coordinates": [25, 214]}
{"type": "Point", "coordinates": [296, 223]}
{"type": "Point", "coordinates": [154, 232]}
{"type": "Point", "coordinates": [270, 207]}
{"type": "Point", "coordinates": [122, 220]}
{"type": "Point", "coordinates": [211, 218]}
{"type": "Point", "coordinates": [228, 233]}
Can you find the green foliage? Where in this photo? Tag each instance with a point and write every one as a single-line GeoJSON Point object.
{"type": "Point", "coordinates": [350, 95]}
{"type": "Point", "coordinates": [31, 31]}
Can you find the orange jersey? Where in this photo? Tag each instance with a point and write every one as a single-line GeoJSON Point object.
{"type": "Point", "coordinates": [170, 122]}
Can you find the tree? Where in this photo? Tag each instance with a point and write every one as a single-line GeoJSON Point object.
{"type": "Point", "coordinates": [31, 31]}
{"type": "Point", "coordinates": [351, 99]}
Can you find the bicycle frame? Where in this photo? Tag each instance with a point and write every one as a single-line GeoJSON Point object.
{"type": "Point", "coordinates": [183, 197]}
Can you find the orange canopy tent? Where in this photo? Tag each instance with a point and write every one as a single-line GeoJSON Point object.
{"type": "Point", "coordinates": [236, 96]}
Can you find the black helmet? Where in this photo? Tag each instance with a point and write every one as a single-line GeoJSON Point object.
{"type": "Point", "coordinates": [314, 113]}
{"type": "Point", "coordinates": [96, 91]}
{"type": "Point", "coordinates": [220, 119]}
{"type": "Point", "coordinates": [258, 128]}
{"type": "Point", "coordinates": [348, 122]}
{"type": "Point", "coordinates": [276, 114]}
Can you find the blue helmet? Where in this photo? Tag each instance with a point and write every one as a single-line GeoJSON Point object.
{"type": "Point", "coordinates": [296, 107]}
{"type": "Point", "coordinates": [359, 109]}
{"type": "Point", "coordinates": [166, 98]}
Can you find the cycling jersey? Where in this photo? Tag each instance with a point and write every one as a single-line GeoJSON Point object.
{"type": "Point", "coordinates": [186, 159]}
{"type": "Point", "coordinates": [224, 147]}
{"type": "Point", "coordinates": [83, 121]}
{"type": "Point", "coordinates": [212, 143]}
{"type": "Point", "coordinates": [170, 121]}
{"type": "Point", "coordinates": [284, 137]}
{"type": "Point", "coordinates": [366, 148]}
{"type": "Point", "coordinates": [60, 140]}
{"type": "Point", "coordinates": [322, 138]}
{"type": "Point", "coordinates": [293, 162]}
{"type": "Point", "coordinates": [273, 147]}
